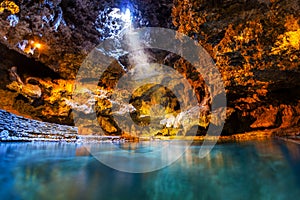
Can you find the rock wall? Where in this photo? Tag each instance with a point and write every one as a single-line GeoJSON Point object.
{"type": "Point", "coordinates": [254, 43]}
{"type": "Point", "coordinates": [60, 33]}
{"type": "Point", "coordinates": [16, 128]}
{"type": "Point", "coordinates": [256, 46]}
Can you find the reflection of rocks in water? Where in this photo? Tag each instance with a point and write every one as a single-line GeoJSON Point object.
{"type": "Point", "coordinates": [53, 169]}
{"type": "Point", "coordinates": [83, 151]}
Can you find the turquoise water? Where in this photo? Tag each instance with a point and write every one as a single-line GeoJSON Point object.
{"type": "Point", "coordinates": [251, 170]}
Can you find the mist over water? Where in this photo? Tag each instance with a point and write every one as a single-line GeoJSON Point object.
{"type": "Point", "coordinates": [143, 71]}
{"type": "Point", "coordinates": [138, 58]}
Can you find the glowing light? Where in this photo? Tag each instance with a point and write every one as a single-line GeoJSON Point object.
{"type": "Point", "coordinates": [117, 14]}
{"type": "Point", "coordinates": [37, 45]}
{"type": "Point", "coordinates": [115, 20]}
{"type": "Point", "coordinates": [126, 17]}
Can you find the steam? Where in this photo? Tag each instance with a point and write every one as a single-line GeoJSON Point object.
{"type": "Point", "coordinates": [144, 71]}
{"type": "Point", "coordinates": [138, 57]}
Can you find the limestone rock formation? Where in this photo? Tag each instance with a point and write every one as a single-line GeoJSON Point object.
{"type": "Point", "coordinates": [15, 128]}
{"type": "Point", "coordinates": [254, 44]}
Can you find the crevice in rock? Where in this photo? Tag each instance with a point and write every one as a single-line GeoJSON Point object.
{"type": "Point", "coordinates": [27, 67]}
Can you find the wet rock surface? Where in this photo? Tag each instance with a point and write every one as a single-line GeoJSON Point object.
{"type": "Point", "coordinates": [255, 45]}
{"type": "Point", "coordinates": [16, 128]}
{"type": "Point", "coordinates": [259, 65]}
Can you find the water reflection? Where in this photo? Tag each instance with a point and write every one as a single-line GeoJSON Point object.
{"type": "Point", "coordinates": [251, 170]}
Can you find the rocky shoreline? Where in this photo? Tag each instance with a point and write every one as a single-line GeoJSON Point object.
{"type": "Point", "coordinates": [254, 45]}
{"type": "Point", "coordinates": [14, 128]}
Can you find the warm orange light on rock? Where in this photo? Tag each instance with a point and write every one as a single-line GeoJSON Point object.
{"type": "Point", "coordinates": [37, 45]}
{"type": "Point", "coordinates": [32, 46]}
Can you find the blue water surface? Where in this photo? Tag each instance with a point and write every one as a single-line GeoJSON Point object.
{"type": "Point", "coordinates": [249, 170]}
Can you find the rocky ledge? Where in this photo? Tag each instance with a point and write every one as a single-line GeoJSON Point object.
{"type": "Point", "coordinates": [16, 128]}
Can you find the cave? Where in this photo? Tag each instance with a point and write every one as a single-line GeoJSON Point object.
{"type": "Point", "coordinates": [152, 99]}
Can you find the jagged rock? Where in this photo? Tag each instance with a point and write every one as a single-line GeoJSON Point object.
{"type": "Point", "coordinates": [290, 116]}
{"type": "Point", "coordinates": [4, 134]}
{"type": "Point", "coordinates": [265, 118]}
{"type": "Point", "coordinates": [60, 34]}
{"type": "Point", "coordinates": [27, 90]}
{"type": "Point", "coordinates": [255, 45]}
{"type": "Point", "coordinates": [16, 128]}
{"type": "Point", "coordinates": [248, 41]}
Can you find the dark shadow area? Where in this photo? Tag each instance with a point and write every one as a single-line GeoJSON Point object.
{"type": "Point", "coordinates": [27, 67]}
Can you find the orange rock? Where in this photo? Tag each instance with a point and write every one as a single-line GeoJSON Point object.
{"type": "Point", "coordinates": [83, 151]}
{"type": "Point", "coordinates": [265, 117]}
{"type": "Point", "coordinates": [129, 137]}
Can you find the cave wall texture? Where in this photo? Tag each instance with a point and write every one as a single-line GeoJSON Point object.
{"type": "Point", "coordinates": [254, 43]}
